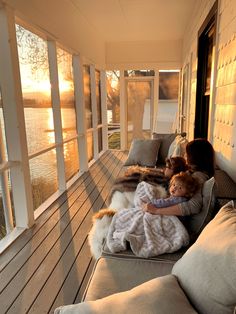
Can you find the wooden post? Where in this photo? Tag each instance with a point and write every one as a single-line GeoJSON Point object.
{"type": "Point", "coordinates": [104, 110]}
{"type": "Point", "coordinates": [55, 94]}
{"type": "Point", "coordinates": [94, 110]}
{"type": "Point", "coordinates": [80, 112]}
{"type": "Point", "coordinates": [14, 120]}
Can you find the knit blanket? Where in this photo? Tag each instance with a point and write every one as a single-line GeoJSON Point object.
{"type": "Point", "coordinates": [148, 235]}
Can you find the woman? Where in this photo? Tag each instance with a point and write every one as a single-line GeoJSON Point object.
{"type": "Point", "coordinates": [201, 163]}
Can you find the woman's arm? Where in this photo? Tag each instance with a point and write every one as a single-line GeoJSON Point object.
{"type": "Point", "coordinates": [173, 210]}
{"type": "Point", "coordinates": [190, 207]}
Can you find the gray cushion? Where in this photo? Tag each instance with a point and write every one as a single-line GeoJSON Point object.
{"type": "Point", "coordinates": [166, 140]}
{"type": "Point", "coordinates": [160, 295]}
{"type": "Point", "coordinates": [143, 153]}
{"type": "Point", "coordinates": [196, 223]}
{"type": "Point", "coordinates": [207, 271]}
{"type": "Point", "coordinates": [112, 275]}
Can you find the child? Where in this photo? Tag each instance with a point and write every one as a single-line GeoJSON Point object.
{"type": "Point", "coordinates": [174, 165]}
{"type": "Point", "coordinates": [182, 187]}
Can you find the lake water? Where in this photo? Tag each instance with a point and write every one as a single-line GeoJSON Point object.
{"type": "Point", "coordinates": [40, 135]}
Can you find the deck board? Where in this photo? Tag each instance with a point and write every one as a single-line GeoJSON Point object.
{"type": "Point", "coordinates": [69, 195]}
{"type": "Point", "coordinates": [52, 263]}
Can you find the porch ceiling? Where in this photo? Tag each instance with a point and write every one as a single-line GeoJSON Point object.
{"type": "Point", "coordinates": [137, 20]}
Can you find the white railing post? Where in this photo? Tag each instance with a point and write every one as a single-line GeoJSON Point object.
{"type": "Point", "coordinates": [104, 110]}
{"type": "Point", "coordinates": [80, 112]}
{"type": "Point", "coordinates": [55, 95]}
{"type": "Point", "coordinates": [14, 120]}
{"type": "Point", "coordinates": [123, 113]}
{"type": "Point", "coordinates": [94, 110]}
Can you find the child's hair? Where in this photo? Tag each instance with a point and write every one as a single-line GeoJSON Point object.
{"type": "Point", "coordinates": [191, 184]}
{"type": "Point", "coordinates": [176, 164]}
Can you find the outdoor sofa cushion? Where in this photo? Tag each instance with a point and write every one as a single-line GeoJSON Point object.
{"type": "Point", "coordinates": [207, 271]}
{"type": "Point", "coordinates": [160, 295]}
{"type": "Point", "coordinates": [196, 223]}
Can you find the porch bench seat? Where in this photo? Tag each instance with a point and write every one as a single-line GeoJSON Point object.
{"type": "Point", "coordinates": [202, 281]}
{"type": "Point", "coordinates": [226, 187]}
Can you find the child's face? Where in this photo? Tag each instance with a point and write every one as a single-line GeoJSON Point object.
{"type": "Point", "coordinates": [177, 189]}
{"type": "Point", "coordinates": [168, 172]}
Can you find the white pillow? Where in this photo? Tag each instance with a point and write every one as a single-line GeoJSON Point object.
{"type": "Point", "coordinates": [178, 147]}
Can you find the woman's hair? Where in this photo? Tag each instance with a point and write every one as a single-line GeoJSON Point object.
{"type": "Point", "coordinates": [201, 156]}
{"type": "Point", "coordinates": [191, 184]}
{"type": "Point", "coordinates": [176, 164]}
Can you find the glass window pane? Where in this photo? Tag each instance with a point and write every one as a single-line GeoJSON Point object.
{"type": "Point", "coordinates": [36, 88]}
{"type": "Point", "coordinates": [100, 140]}
{"type": "Point", "coordinates": [2, 217]}
{"type": "Point", "coordinates": [113, 108]}
{"type": "Point", "coordinates": [139, 102]}
{"type": "Point", "coordinates": [66, 88]}
{"type": "Point", "coordinates": [3, 230]}
{"type": "Point", "coordinates": [5, 182]}
{"type": "Point", "coordinates": [137, 73]}
{"type": "Point", "coordinates": [90, 145]}
{"type": "Point", "coordinates": [43, 170]}
{"type": "Point", "coordinates": [2, 126]}
{"type": "Point", "coordinates": [87, 97]}
{"type": "Point", "coordinates": [166, 121]}
{"type": "Point", "coordinates": [98, 97]}
{"type": "Point", "coordinates": [71, 158]}
{"type": "Point", "coordinates": [168, 85]}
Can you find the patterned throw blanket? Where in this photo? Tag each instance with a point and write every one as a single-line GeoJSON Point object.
{"type": "Point", "coordinates": [148, 235]}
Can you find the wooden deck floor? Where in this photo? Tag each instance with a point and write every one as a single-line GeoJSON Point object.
{"type": "Point", "coordinates": [49, 265]}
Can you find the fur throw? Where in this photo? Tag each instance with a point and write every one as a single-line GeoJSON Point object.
{"type": "Point", "coordinates": [132, 177]}
{"type": "Point", "coordinates": [148, 235]}
{"type": "Point", "coordinates": [122, 196]}
{"type": "Point", "coordinates": [98, 233]}
{"type": "Point", "coordinates": [102, 219]}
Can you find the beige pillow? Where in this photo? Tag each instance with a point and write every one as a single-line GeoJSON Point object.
{"type": "Point", "coordinates": [158, 296]}
{"type": "Point", "coordinates": [207, 271]}
{"type": "Point", "coordinates": [166, 140]}
{"type": "Point", "coordinates": [143, 153]}
{"type": "Point", "coordinates": [196, 223]}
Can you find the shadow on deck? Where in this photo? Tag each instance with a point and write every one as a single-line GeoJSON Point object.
{"type": "Point", "coordinates": [50, 264]}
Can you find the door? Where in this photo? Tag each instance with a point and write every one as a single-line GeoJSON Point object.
{"type": "Point", "coordinates": [139, 109]}
{"type": "Point", "coordinates": [206, 43]}
{"type": "Point", "coordinates": [185, 99]}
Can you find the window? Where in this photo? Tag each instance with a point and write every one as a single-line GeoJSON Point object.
{"type": "Point", "coordinates": [36, 89]}
{"type": "Point", "coordinates": [88, 111]}
{"type": "Point", "coordinates": [166, 121]}
{"type": "Point", "coordinates": [139, 73]}
{"type": "Point", "coordinates": [98, 97]}
{"type": "Point", "coordinates": [6, 203]}
{"type": "Point", "coordinates": [113, 108]}
{"type": "Point", "coordinates": [68, 112]}
{"type": "Point", "coordinates": [168, 85]}
{"type": "Point", "coordinates": [87, 97]}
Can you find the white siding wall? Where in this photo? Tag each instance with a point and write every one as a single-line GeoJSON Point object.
{"type": "Point", "coordinates": [223, 129]}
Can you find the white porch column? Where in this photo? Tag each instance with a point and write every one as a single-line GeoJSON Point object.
{"type": "Point", "coordinates": [14, 119]}
{"type": "Point", "coordinates": [80, 112]}
{"type": "Point", "coordinates": [94, 110]}
{"type": "Point", "coordinates": [104, 109]}
{"type": "Point", "coordinates": [55, 94]}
